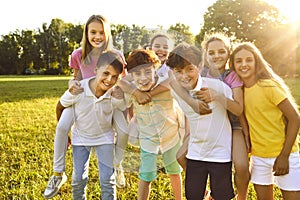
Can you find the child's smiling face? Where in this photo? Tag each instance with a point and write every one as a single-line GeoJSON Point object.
{"type": "Point", "coordinates": [144, 77]}
{"type": "Point", "coordinates": [187, 76]}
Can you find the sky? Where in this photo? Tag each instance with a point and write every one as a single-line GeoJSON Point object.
{"type": "Point", "coordinates": [31, 14]}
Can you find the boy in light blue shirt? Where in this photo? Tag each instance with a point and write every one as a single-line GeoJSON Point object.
{"type": "Point", "coordinates": [157, 123]}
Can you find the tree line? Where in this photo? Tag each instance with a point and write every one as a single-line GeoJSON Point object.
{"type": "Point", "coordinates": [47, 50]}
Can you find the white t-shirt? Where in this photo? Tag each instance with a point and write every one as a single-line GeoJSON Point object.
{"type": "Point", "coordinates": [210, 135]}
{"type": "Point", "coordinates": [93, 116]}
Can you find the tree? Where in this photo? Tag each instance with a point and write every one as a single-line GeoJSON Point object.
{"type": "Point", "coordinates": [181, 33]}
{"type": "Point", "coordinates": [9, 53]}
{"type": "Point", "coordinates": [249, 20]}
{"type": "Point", "coordinates": [127, 39]}
{"type": "Point", "coordinates": [28, 52]}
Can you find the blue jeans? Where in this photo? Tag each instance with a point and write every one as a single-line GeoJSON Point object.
{"type": "Point", "coordinates": [81, 158]}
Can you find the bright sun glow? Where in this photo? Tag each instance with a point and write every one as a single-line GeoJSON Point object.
{"type": "Point", "coordinates": [288, 8]}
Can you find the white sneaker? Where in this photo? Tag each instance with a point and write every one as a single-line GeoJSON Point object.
{"type": "Point", "coordinates": [120, 178]}
{"type": "Point", "coordinates": [54, 185]}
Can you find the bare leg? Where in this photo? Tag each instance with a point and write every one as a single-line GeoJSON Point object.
{"type": "Point", "coordinates": [175, 180]}
{"type": "Point", "coordinates": [241, 164]}
{"type": "Point", "coordinates": [143, 190]}
{"type": "Point", "coordinates": [264, 192]}
{"type": "Point", "coordinates": [290, 195]}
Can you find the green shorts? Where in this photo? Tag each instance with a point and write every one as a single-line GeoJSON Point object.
{"type": "Point", "coordinates": [148, 166]}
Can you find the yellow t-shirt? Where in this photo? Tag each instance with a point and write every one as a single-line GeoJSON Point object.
{"type": "Point", "coordinates": [265, 119]}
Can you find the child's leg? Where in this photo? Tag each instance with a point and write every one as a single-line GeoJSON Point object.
{"type": "Point", "coordinates": [176, 185]}
{"type": "Point", "coordinates": [290, 195]}
{"type": "Point", "coordinates": [144, 190]}
{"type": "Point", "coordinates": [262, 177]}
{"type": "Point", "coordinates": [220, 176]}
{"type": "Point", "coordinates": [121, 127]}
{"type": "Point", "coordinates": [289, 184]}
{"type": "Point", "coordinates": [81, 158]}
{"type": "Point", "coordinates": [241, 164]}
{"type": "Point", "coordinates": [105, 155]}
{"type": "Point", "coordinates": [264, 191]}
{"type": "Point", "coordinates": [148, 173]}
{"type": "Point", "coordinates": [173, 169]}
{"type": "Point", "coordinates": [61, 139]}
{"type": "Point", "coordinates": [196, 175]}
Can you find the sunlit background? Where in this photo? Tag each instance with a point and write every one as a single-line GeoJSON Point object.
{"type": "Point", "coordinates": [31, 14]}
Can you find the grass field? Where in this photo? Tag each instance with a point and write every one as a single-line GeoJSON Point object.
{"type": "Point", "coordinates": [27, 128]}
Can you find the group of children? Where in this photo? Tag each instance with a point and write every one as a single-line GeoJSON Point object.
{"type": "Point", "coordinates": [227, 112]}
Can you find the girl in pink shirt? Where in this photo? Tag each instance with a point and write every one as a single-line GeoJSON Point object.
{"type": "Point", "coordinates": [96, 39]}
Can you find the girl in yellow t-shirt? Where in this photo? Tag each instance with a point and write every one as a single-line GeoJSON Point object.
{"type": "Point", "coordinates": [273, 121]}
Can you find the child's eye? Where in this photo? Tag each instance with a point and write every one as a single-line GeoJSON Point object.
{"type": "Point", "coordinates": [222, 51]}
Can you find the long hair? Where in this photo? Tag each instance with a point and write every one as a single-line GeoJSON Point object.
{"type": "Point", "coordinates": [86, 46]}
{"type": "Point", "coordinates": [263, 69]}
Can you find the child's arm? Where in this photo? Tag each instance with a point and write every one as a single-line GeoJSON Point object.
{"type": "Point", "coordinates": [235, 106]}
{"type": "Point", "coordinates": [74, 84]}
{"type": "Point", "coordinates": [127, 87]}
{"type": "Point", "coordinates": [281, 165]}
{"type": "Point", "coordinates": [118, 99]}
{"type": "Point", "coordinates": [198, 105]}
{"type": "Point", "coordinates": [162, 87]}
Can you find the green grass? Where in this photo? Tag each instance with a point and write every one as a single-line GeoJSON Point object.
{"type": "Point", "coordinates": [27, 128]}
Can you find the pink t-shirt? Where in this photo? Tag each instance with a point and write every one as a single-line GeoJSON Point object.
{"type": "Point", "coordinates": [87, 71]}
{"type": "Point", "coordinates": [231, 79]}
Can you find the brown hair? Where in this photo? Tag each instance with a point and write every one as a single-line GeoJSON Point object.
{"type": "Point", "coordinates": [140, 57]}
{"type": "Point", "coordinates": [110, 58]}
{"type": "Point", "coordinates": [184, 54]}
{"type": "Point", "coordinates": [263, 69]}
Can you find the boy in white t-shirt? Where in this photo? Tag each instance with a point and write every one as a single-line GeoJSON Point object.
{"type": "Point", "coordinates": [209, 145]}
{"type": "Point", "coordinates": [93, 110]}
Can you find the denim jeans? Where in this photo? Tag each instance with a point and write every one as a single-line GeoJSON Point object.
{"type": "Point", "coordinates": [81, 157]}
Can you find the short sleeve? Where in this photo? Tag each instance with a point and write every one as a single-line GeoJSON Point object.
{"type": "Point", "coordinates": [233, 80]}
{"type": "Point", "coordinates": [75, 60]}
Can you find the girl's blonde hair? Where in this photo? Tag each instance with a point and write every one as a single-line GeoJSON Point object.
{"type": "Point", "coordinates": [85, 44]}
{"type": "Point", "coordinates": [263, 69]}
{"type": "Point", "coordinates": [217, 36]}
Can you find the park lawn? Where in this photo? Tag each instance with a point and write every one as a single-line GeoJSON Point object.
{"type": "Point", "coordinates": [27, 124]}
